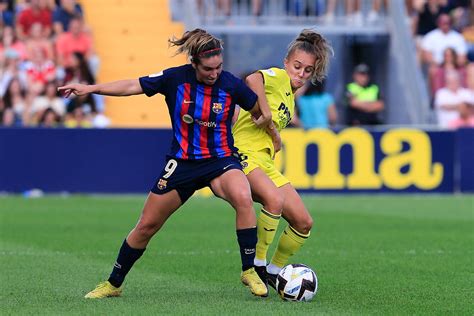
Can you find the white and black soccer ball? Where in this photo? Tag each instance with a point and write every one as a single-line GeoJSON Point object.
{"type": "Point", "coordinates": [297, 282]}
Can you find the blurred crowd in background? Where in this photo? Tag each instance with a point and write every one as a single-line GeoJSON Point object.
{"type": "Point", "coordinates": [444, 37]}
{"type": "Point", "coordinates": [45, 44]}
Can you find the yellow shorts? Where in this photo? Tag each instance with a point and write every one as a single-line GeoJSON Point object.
{"type": "Point", "coordinates": [262, 159]}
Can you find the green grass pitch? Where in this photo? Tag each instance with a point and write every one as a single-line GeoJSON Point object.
{"type": "Point", "coordinates": [374, 255]}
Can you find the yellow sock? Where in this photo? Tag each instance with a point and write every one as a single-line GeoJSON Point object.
{"type": "Point", "coordinates": [267, 224]}
{"type": "Point", "coordinates": [289, 244]}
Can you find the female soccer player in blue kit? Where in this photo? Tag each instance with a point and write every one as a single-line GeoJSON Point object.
{"type": "Point", "coordinates": [201, 99]}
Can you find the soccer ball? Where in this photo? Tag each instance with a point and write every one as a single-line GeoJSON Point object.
{"type": "Point", "coordinates": [296, 282]}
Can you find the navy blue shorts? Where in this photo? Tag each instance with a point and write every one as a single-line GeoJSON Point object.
{"type": "Point", "coordinates": [187, 176]}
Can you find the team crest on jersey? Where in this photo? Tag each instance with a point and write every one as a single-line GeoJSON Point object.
{"type": "Point", "coordinates": [162, 184]}
{"type": "Point", "coordinates": [217, 108]}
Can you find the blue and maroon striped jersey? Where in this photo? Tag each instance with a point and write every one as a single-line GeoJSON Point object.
{"type": "Point", "coordinates": [201, 115]}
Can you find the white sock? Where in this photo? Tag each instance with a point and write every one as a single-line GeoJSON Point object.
{"type": "Point", "coordinates": [259, 263]}
{"type": "Point", "coordinates": [273, 269]}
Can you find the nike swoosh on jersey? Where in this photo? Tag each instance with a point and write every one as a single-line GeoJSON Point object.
{"type": "Point", "coordinates": [269, 230]}
{"type": "Point", "coordinates": [288, 94]}
{"type": "Point", "coordinates": [227, 166]}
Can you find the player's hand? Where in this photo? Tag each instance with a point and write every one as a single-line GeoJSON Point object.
{"type": "Point", "coordinates": [262, 121]}
{"type": "Point", "coordinates": [74, 88]}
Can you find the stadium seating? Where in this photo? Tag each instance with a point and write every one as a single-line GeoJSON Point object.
{"type": "Point", "coordinates": [131, 41]}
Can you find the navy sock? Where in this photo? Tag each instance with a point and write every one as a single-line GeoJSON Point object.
{"type": "Point", "coordinates": [125, 260]}
{"type": "Point", "coordinates": [247, 239]}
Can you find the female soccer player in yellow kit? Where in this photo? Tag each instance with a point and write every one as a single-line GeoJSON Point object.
{"type": "Point", "coordinates": [307, 58]}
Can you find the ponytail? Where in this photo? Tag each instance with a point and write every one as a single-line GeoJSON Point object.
{"type": "Point", "coordinates": [197, 44]}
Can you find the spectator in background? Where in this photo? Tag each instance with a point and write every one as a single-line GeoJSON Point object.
{"type": "Point", "coordinates": [15, 98]}
{"type": "Point", "coordinates": [64, 13]}
{"type": "Point", "coordinates": [76, 40]}
{"type": "Point", "coordinates": [79, 72]}
{"type": "Point", "coordinates": [7, 12]}
{"type": "Point", "coordinates": [257, 7]}
{"type": "Point", "coordinates": [450, 63]}
{"type": "Point", "coordinates": [49, 118]}
{"type": "Point", "coordinates": [353, 13]}
{"type": "Point", "coordinates": [78, 114]}
{"type": "Point", "coordinates": [11, 69]}
{"type": "Point", "coordinates": [38, 11]}
{"type": "Point", "coordinates": [37, 40]}
{"type": "Point", "coordinates": [308, 8]}
{"type": "Point", "coordinates": [435, 43]}
{"type": "Point", "coordinates": [466, 116]}
{"type": "Point", "coordinates": [448, 99]}
{"type": "Point", "coordinates": [11, 46]}
{"type": "Point", "coordinates": [375, 11]}
{"type": "Point", "coordinates": [364, 100]}
{"type": "Point", "coordinates": [459, 12]}
{"type": "Point", "coordinates": [426, 17]}
{"type": "Point", "coordinates": [85, 102]}
{"type": "Point", "coordinates": [7, 117]}
{"type": "Point", "coordinates": [39, 70]}
{"type": "Point", "coordinates": [49, 99]}
{"type": "Point", "coordinates": [316, 108]}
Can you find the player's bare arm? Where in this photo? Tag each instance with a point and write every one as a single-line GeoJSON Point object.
{"type": "Point", "coordinates": [255, 112]}
{"type": "Point", "coordinates": [275, 135]}
{"type": "Point", "coordinates": [256, 83]}
{"type": "Point", "coordinates": [116, 88]}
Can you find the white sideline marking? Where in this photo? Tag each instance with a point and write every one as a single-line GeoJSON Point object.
{"type": "Point", "coordinates": [113, 253]}
{"type": "Point", "coordinates": [410, 252]}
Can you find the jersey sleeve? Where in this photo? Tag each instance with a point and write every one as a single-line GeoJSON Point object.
{"type": "Point", "coordinates": [270, 77]}
{"type": "Point", "coordinates": [244, 96]}
{"type": "Point", "coordinates": [155, 83]}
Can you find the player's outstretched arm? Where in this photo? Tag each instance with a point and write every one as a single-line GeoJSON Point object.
{"type": "Point", "coordinates": [116, 88]}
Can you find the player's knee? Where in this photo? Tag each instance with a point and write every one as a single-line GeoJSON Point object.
{"type": "Point", "coordinates": [274, 203]}
{"type": "Point", "coordinates": [242, 199]}
{"type": "Point", "coordinates": [304, 225]}
{"type": "Point", "coordinates": [147, 229]}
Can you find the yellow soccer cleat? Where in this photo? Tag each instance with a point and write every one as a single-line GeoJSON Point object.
{"type": "Point", "coordinates": [104, 289]}
{"type": "Point", "coordinates": [251, 279]}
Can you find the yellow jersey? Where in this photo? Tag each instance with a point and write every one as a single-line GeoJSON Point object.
{"type": "Point", "coordinates": [281, 100]}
